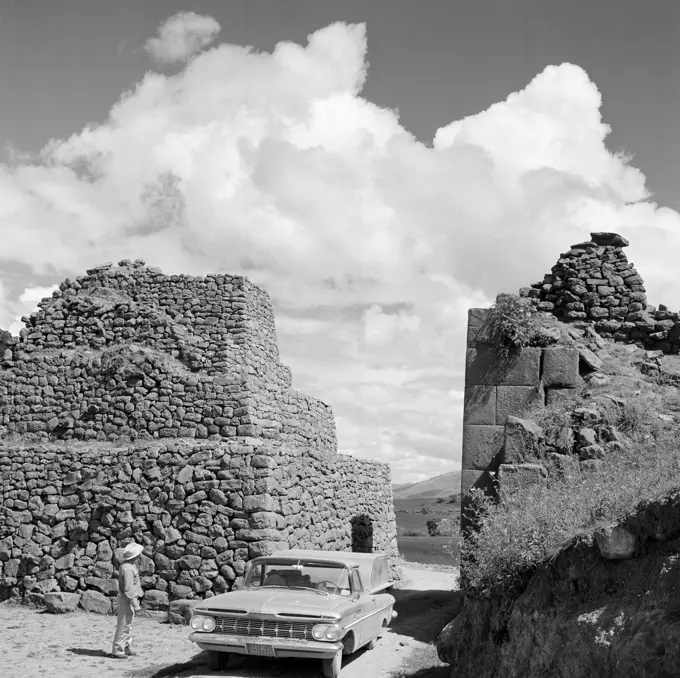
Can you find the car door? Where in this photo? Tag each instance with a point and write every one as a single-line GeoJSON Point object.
{"type": "Point", "coordinates": [370, 622]}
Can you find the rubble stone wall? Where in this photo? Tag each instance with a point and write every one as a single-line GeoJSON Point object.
{"type": "Point", "coordinates": [127, 352]}
{"type": "Point", "coordinates": [594, 282]}
{"type": "Point", "coordinates": [201, 510]}
{"type": "Point", "coordinates": [138, 405]}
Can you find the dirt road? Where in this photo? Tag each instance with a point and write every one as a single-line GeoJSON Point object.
{"type": "Point", "coordinates": [76, 645]}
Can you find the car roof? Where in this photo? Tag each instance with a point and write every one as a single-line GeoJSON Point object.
{"type": "Point", "coordinates": [346, 557]}
{"type": "Point", "coordinates": [373, 567]}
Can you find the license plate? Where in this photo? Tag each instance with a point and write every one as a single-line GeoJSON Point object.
{"type": "Point", "coordinates": [260, 650]}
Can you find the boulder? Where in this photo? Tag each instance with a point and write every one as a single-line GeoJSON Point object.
{"type": "Point", "coordinates": [560, 439]}
{"type": "Point", "coordinates": [589, 360]}
{"type": "Point", "coordinates": [609, 239]}
{"type": "Point", "coordinates": [180, 611]}
{"type": "Point", "coordinates": [591, 452]}
{"type": "Point", "coordinates": [616, 543]}
{"type": "Point", "coordinates": [60, 602]}
{"type": "Point", "coordinates": [93, 601]}
{"type": "Point", "coordinates": [155, 600]}
{"type": "Point", "coordinates": [587, 436]}
{"type": "Point", "coordinates": [447, 638]}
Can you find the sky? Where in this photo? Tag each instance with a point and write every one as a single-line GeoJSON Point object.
{"type": "Point", "coordinates": [378, 167]}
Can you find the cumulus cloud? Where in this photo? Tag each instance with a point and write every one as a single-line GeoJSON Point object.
{"type": "Point", "coordinates": [372, 244]}
{"type": "Point", "coordinates": [182, 36]}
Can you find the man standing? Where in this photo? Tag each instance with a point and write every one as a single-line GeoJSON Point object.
{"type": "Point", "coordinates": [129, 593]}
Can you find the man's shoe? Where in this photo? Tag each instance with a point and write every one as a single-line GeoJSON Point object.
{"type": "Point", "coordinates": [119, 655]}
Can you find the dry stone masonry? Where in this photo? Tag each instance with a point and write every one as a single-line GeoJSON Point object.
{"type": "Point", "coordinates": [127, 352]}
{"type": "Point", "coordinates": [595, 282]}
{"type": "Point", "coordinates": [136, 405]}
{"type": "Point", "coordinates": [593, 285]}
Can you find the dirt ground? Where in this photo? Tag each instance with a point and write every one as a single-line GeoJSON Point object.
{"type": "Point", "coordinates": [77, 645]}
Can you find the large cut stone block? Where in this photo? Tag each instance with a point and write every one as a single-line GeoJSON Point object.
{"type": "Point", "coordinates": [481, 445]}
{"type": "Point", "coordinates": [488, 366]}
{"type": "Point", "coordinates": [513, 401]}
{"type": "Point", "coordinates": [470, 479]}
{"type": "Point", "coordinates": [560, 367]}
{"type": "Point", "coordinates": [480, 405]}
{"type": "Point", "coordinates": [476, 318]}
{"type": "Point", "coordinates": [518, 478]}
{"type": "Point", "coordinates": [523, 439]}
{"type": "Point", "coordinates": [481, 366]}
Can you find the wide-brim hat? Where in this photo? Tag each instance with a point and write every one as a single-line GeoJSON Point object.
{"type": "Point", "coordinates": [132, 551]}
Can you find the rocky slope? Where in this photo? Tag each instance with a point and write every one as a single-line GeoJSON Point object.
{"type": "Point", "coordinates": [606, 603]}
{"type": "Point", "coordinates": [582, 614]}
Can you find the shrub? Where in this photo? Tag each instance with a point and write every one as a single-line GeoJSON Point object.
{"type": "Point", "coordinates": [513, 323]}
{"type": "Point", "coordinates": [433, 528]}
{"type": "Point", "coordinates": [513, 537]}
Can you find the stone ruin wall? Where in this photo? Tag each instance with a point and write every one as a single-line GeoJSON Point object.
{"type": "Point", "coordinates": [127, 352]}
{"type": "Point", "coordinates": [593, 284]}
{"type": "Point", "coordinates": [139, 405]}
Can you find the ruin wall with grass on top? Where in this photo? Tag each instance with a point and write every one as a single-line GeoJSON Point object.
{"type": "Point", "coordinates": [593, 284]}
{"type": "Point", "coordinates": [139, 405]}
{"type": "Point", "coordinates": [128, 352]}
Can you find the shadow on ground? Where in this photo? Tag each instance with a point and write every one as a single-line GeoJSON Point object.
{"type": "Point", "coordinates": [432, 672]}
{"type": "Point", "coordinates": [85, 652]}
{"type": "Point", "coordinates": [423, 614]}
{"type": "Point", "coordinates": [241, 666]}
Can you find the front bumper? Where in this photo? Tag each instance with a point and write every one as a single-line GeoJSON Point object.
{"type": "Point", "coordinates": [283, 647]}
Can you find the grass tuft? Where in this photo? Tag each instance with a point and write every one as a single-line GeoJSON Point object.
{"type": "Point", "coordinates": [513, 323]}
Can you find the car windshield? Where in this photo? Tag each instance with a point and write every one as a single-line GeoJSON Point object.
{"type": "Point", "coordinates": [324, 578]}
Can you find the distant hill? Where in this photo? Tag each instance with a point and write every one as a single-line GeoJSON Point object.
{"type": "Point", "coordinates": [439, 486]}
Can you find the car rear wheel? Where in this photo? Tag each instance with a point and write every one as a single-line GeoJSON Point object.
{"type": "Point", "coordinates": [331, 667]}
{"type": "Point", "coordinates": [217, 661]}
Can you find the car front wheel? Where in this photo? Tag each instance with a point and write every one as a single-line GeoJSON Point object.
{"type": "Point", "coordinates": [217, 661]}
{"type": "Point", "coordinates": [331, 667]}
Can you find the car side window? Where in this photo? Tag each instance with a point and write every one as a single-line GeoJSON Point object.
{"type": "Point", "coordinates": [356, 581]}
{"type": "Point", "coordinates": [256, 575]}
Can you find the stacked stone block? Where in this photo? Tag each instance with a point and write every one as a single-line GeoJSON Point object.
{"type": "Point", "coordinates": [201, 510]}
{"type": "Point", "coordinates": [594, 282]}
{"type": "Point", "coordinates": [499, 386]}
{"type": "Point", "coordinates": [591, 284]}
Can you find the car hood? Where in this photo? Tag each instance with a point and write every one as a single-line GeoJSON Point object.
{"type": "Point", "coordinates": [296, 602]}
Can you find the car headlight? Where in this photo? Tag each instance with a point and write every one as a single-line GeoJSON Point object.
{"type": "Point", "coordinates": [200, 623]}
{"type": "Point", "coordinates": [333, 632]}
{"type": "Point", "coordinates": [326, 632]}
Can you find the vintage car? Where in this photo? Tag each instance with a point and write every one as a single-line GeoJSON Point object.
{"type": "Point", "coordinates": [298, 603]}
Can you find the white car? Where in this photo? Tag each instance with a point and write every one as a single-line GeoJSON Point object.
{"type": "Point", "coordinates": [299, 603]}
